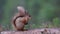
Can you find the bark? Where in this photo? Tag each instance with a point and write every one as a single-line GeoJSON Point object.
{"type": "Point", "coordinates": [35, 31]}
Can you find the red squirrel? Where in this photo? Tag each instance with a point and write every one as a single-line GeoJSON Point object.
{"type": "Point", "coordinates": [20, 19]}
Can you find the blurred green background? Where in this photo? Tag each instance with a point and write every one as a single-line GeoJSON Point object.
{"type": "Point", "coordinates": [43, 12]}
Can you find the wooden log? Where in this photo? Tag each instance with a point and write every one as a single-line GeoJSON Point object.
{"type": "Point", "coordinates": [36, 31]}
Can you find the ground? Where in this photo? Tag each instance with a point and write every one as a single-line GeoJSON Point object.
{"type": "Point", "coordinates": [35, 31]}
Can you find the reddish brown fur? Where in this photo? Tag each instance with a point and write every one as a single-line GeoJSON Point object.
{"type": "Point", "coordinates": [24, 19]}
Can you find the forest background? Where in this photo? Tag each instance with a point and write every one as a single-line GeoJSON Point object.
{"type": "Point", "coordinates": [43, 12]}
